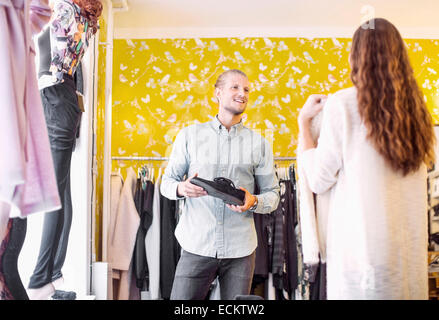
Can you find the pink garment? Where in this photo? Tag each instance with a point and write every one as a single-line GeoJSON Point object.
{"type": "Point", "coordinates": [27, 177]}
{"type": "Point", "coordinates": [123, 234]}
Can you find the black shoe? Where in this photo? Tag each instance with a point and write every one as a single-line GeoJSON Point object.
{"type": "Point", "coordinates": [222, 188]}
{"type": "Point", "coordinates": [64, 295]}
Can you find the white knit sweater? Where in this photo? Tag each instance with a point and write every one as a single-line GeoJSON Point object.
{"type": "Point", "coordinates": [377, 232]}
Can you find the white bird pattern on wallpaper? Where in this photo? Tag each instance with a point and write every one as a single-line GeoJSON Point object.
{"type": "Point", "coordinates": [146, 99]}
{"type": "Point", "coordinates": [122, 78]}
{"type": "Point", "coordinates": [169, 56]}
{"type": "Point", "coordinates": [239, 56]}
{"type": "Point", "coordinates": [308, 57]}
{"type": "Point", "coordinates": [258, 101]}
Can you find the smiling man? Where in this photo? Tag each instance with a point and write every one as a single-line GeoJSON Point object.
{"type": "Point", "coordinates": [218, 239]}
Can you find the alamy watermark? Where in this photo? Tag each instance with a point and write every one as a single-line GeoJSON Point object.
{"type": "Point", "coordinates": [368, 17]}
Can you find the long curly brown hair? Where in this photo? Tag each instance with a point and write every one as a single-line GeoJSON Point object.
{"type": "Point", "coordinates": [390, 102]}
{"type": "Point", "coordinates": [92, 10]}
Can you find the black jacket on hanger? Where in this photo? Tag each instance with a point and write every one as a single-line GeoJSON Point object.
{"type": "Point", "coordinates": [169, 247]}
{"type": "Point", "coordinates": [143, 200]}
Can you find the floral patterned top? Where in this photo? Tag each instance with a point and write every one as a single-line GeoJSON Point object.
{"type": "Point", "coordinates": [69, 38]}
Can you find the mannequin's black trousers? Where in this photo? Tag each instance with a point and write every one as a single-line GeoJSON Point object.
{"type": "Point", "coordinates": [62, 114]}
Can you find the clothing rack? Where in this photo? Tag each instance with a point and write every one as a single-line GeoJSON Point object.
{"type": "Point", "coordinates": [141, 158]}
{"type": "Point", "coordinates": [132, 158]}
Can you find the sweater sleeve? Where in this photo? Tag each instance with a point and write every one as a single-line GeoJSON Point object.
{"type": "Point", "coordinates": [322, 164]}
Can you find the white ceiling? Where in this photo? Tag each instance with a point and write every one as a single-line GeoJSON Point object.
{"type": "Point", "coordinates": [179, 18]}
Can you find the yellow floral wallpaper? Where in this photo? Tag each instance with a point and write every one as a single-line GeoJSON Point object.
{"type": "Point", "coordinates": [162, 85]}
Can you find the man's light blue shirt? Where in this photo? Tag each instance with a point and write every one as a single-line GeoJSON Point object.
{"type": "Point", "coordinates": [206, 226]}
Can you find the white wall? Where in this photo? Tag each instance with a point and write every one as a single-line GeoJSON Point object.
{"type": "Point", "coordinates": [276, 18]}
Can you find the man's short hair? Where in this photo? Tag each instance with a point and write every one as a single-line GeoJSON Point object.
{"type": "Point", "coordinates": [222, 77]}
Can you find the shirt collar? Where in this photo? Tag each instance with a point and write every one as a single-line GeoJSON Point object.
{"type": "Point", "coordinates": [218, 126]}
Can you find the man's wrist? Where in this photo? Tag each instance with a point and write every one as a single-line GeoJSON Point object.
{"type": "Point", "coordinates": [255, 204]}
{"type": "Point", "coordinates": [177, 191]}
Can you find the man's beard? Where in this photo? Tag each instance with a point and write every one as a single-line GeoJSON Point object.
{"type": "Point", "coordinates": [234, 111]}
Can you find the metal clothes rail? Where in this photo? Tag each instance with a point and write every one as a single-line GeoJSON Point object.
{"type": "Point", "coordinates": [133, 158]}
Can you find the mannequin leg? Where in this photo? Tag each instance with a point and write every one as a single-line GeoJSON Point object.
{"type": "Point", "coordinates": [53, 224]}
{"type": "Point", "coordinates": [62, 247]}
{"type": "Point", "coordinates": [10, 259]}
{"type": "Point", "coordinates": [57, 277]}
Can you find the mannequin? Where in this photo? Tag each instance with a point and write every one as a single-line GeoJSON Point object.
{"type": "Point", "coordinates": [61, 46]}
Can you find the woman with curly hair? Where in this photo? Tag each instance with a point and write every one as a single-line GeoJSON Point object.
{"type": "Point", "coordinates": [61, 48]}
{"type": "Point", "coordinates": [376, 142]}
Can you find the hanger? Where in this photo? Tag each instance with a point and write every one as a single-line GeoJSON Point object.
{"type": "Point", "coordinates": [152, 175]}
{"type": "Point", "coordinates": [292, 171]}
{"type": "Point", "coordinates": [160, 174]}
{"type": "Point", "coordinates": [149, 172]}
{"type": "Point", "coordinates": [145, 176]}
{"type": "Point", "coordinates": [280, 172]}
{"type": "Point", "coordinates": [145, 172]}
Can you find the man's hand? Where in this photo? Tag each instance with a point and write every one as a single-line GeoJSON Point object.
{"type": "Point", "coordinates": [189, 190]}
{"type": "Point", "coordinates": [249, 201]}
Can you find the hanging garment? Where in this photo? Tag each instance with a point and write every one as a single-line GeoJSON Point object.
{"type": "Point", "coordinates": [144, 200]}
{"type": "Point", "coordinates": [27, 179]}
{"type": "Point", "coordinates": [126, 225]}
{"type": "Point", "coordinates": [302, 290]}
{"type": "Point", "coordinates": [9, 259]}
{"type": "Point", "coordinates": [5, 293]}
{"type": "Point", "coordinates": [264, 232]}
{"type": "Point", "coordinates": [313, 211]}
{"type": "Point", "coordinates": [313, 220]}
{"type": "Point", "coordinates": [152, 244]}
{"type": "Point", "coordinates": [317, 286]}
{"type": "Point", "coordinates": [116, 183]}
{"type": "Point", "coordinates": [285, 260]}
{"type": "Point", "coordinates": [290, 216]}
{"type": "Point", "coordinates": [264, 224]}
{"type": "Point", "coordinates": [169, 247]}
{"type": "Point", "coordinates": [264, 252]}
{"type": "Point", "coordinates": [377, 226]}
{"type": "Point", "coordinates": [279, 245]}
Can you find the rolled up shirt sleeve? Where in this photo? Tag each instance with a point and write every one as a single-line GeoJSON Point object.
{"type": "Point", "coordinates": [177, 167]}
